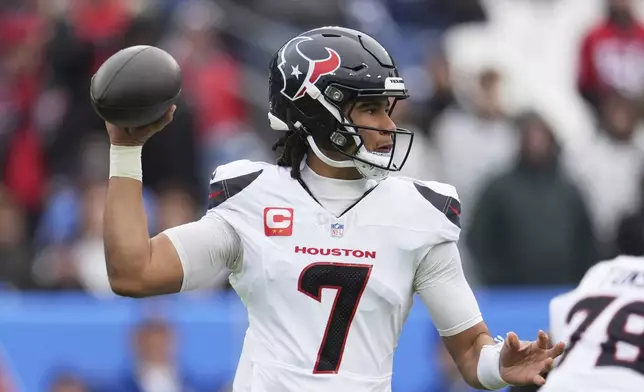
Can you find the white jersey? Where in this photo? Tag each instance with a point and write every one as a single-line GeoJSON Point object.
{"type": "Point", "coordinates": [327, 294]}
{"type": "Point", "coordinates": [602, 321]}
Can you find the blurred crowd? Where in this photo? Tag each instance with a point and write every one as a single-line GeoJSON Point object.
{"type": "Point", "coordinates": [155, 367]}
{"type": "Point", "coordinates": [53, 148]}
{"type": "Point", "coordinates": [539, 206]}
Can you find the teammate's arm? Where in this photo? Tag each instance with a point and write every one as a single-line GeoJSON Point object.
{"type": "Point", "coordinates": [180, 258]}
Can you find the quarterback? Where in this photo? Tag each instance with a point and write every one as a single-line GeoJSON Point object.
{"type": "Point", "coordinates": [325, 249]}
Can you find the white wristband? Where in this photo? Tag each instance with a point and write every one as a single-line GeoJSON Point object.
{"type": "Point", "coordinates": [125, 161]}
{"type": "Point", "coordinates": [489, 367]}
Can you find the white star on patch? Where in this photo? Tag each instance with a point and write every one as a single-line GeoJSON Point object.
{"type": "Point", "coordinates": [296, 71]}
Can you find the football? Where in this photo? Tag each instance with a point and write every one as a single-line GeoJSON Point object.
{"type": "Point", "coordinates": [136, 86]}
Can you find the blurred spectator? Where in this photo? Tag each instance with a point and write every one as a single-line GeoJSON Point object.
{"type": "Point", "coordinates": [65, 114]}
{"type": "Point", "coordinates": [173, 156]}
{"type": "Point", "coordinates": [15, 252]}
{"type": "Point", "coordinates": [87, 251]}
{"type": "Point", "coordinates": [530, 226]}
{"type": "Point", "coordinates": [418, 23]}
{"type": "Point", "coordinates": [419, 115]}
{"type": "Point", "coordinates": [442, 93]}
{"type": "Point", "coordinates": [630, 232]}
{"type": "Point", "coordinates": [79, 261]}
{"type": "Point", "coordinates": [22, 37]}
{"type": "Point", "coordinates": [7, 384]}
{"type": "Point", "coordinates": [101, 23]}
{"type": "Point", "coordinates": [69, 234]}
{"type": "Point", "coordinates": [76, 50]}
{"type": "Point", "coordinates": [68, 383]}
{"type": "Point", "coordinates": [423, 162]}
{"type": "Point", "coordinates": [608, 166]}
{"type": "Point", "coordinates": [612, 54]}
{"type": "Point", "coordinates": [301, 14]}
{"type": "Point", "coordinates": [212, 85]}
{"type": "Point", "coordinates": [70, 238]}
{"type": "Point", "coordinates": [474, 140]}
{"type": "Point", "coordinates": [61, 218]}
{"type": "Point", "coordinates": [155, 363]}
{"type": "Point", "coordinates": [175, 207]}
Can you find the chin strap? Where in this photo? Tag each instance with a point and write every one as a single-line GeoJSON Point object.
{"type": "Point", "coordinates": [322, 156]}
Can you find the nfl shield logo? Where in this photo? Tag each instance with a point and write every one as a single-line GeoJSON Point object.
{"type": "Point", "coordinates": [337, 230]}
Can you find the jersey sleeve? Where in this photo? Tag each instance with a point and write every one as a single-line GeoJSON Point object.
{"type": "Point", "coordinates": [443, 201]}
{"type": "Point", "coordinates": [229, 180]}
{"type": "Point", "coordinates": [440, 282]}
{"type": "Point", "coordinates": [209, 249]}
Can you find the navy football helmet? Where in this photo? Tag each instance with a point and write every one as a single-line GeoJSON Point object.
{"type": "Point", "coordinates": [316, 76]}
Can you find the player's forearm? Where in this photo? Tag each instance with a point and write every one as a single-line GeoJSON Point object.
{"type": "Point", "coordinates": [125, 234]}
{"type": "Point", "coordinates": [469, 361]}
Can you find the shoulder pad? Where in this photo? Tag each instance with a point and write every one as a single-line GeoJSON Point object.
{"type": "Point", "coordinates": [236, 169]}
{"type": "Point", "coordinates": [443, 197]}
{"type": "Point", "coordinates": [230, 179]}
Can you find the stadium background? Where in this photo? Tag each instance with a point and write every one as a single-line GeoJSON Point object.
{"type": "Point", "coordinates": [531, 108]}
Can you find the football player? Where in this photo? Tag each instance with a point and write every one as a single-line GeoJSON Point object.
{"type": "Point", "coordinates": [325, 249]}
{"type": "Point", "coordinates": [603, 322]}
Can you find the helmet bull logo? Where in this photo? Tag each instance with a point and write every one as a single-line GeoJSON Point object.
{"type": "Point", "coordinates": [300, 71]}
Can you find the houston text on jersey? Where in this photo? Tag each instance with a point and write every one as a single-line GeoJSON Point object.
{"type": "Point", "coordinates": [367, 254]}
